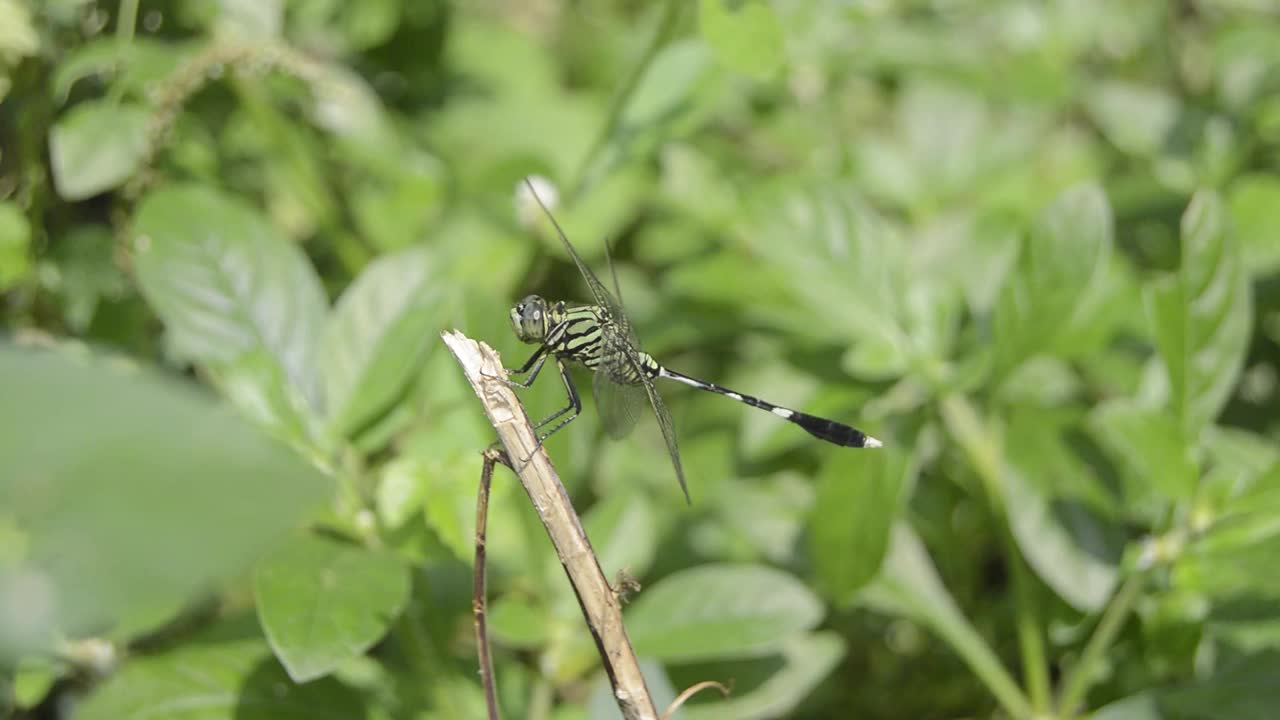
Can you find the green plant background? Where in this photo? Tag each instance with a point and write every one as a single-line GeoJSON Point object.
{"type": "Point", "coordinates": [1033, 247]}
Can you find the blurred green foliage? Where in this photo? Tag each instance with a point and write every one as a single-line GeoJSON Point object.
{"type": "Point", "coordinates": [1034, 247]}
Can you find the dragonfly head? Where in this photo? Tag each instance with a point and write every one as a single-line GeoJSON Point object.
{"type": "Point", "coordinates": [530, 320]}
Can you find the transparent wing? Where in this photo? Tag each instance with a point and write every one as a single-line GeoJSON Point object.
{"type": "Point", "coordinates": [618, 405]}
{"type": "Point", "coordinates": [668, 434]}
{"type": "Point", "coordinates": [601, 293]}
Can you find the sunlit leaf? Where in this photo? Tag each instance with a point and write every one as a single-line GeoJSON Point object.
{"type": "Point", "coordinates": [378, 333]}
{"type": "Point", "coordinates": [228, 287]}
{"type": "Point", "coordinates": [1063, 263]}
{"type": "Point", "coordinates": [745, 34]}
{"type": "Point", "coordinates": [96, 147]}
{"type": "Point", "coordinates": [1150, 446]}
{"type": "Point", "coordinates": [127, 507]}
{"type": "Point", "coordinates": [322, 601]}
{"type": "Point", "coordinates": [720, 612]}
{"type": "Point", "coordinates": [1202, 316]}
{"type": "Point", "coordinates": [1066, 541]}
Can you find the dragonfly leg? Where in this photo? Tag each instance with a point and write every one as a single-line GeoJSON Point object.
{"type": "Point", "coordinates": [530, 369]}
{"type": "Point", "coordinates": [575, 405]}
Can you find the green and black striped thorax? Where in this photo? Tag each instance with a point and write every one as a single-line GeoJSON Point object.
{"type": "Point", "coordinates": [584, 334]}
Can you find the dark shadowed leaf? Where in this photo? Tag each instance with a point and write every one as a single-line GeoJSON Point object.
{"type": "Point", "coordinates": [855, 510]}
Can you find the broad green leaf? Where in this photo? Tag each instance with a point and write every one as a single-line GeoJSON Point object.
{"type": "Point", "coordinates": [667, 84]}
{"type": "Point", "coordinates": [378, 333]}
{"type": "Point", "coordinates": [1202, 316]}
{"type": "Point", "coordinates": [805, 661]}
{"type": "Point", "coordinates": [518, 624]}
{"type": "Point", "coordinates": [745, 34]}
{"type": "Point", "coordinates": [15, 241]}
{"type": "Point", "coordinates": [232, 679]}
{"type": "Point", "coordinates": [401, 493]}
{"type": "Point", "coordinates": [623, 531]}
{"type": "Point", "coordinates": [135, 65]}
{"type": "Point", "coordinates": [1150, 447]}
{"type": "Point", "coordinates": [853, 515]}
{"type": "Point", "coordinates": [720, 612]}
{"type": "Point", "coordinates": [1063, 264]}
{"type": "Point", "coordinates": [1231, 557]}
{"type": "Point", "coordinates": [96, 146]}
{"type": "Point", "coordinates": [1245, 689]}
{"type": "Point", "coordinates": [1252, 200]}
{"type": "Point", "coordinates": [1136, 118]}
{"type": "Point", "coordinates": [1071, 548]}
{"type": "Point", "coordinates": [322, 601]}
{"type": "Point", "coordinates": [833, 249]}
{"type": "Point", "coordinates": [231, 290]}
{"type": "Point", "coordinates": [127, 508]}
{"type": "Point", "coordinates": [1142, 706]}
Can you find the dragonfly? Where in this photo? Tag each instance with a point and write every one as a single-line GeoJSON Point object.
{"type": "Point", "coordinates": [600, 337]}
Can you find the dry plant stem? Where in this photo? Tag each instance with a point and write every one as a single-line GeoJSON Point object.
{"type": "Point", "coordinates": [600, 605]}
{"type": "Point", "coordinates": [690, 692]}
{"type": "Point", "coordinates": [492, 456]}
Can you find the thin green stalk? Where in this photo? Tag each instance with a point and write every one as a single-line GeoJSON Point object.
{"type": "Point", "coordinates": [127, 21]}
{"type": "Point", "coordinates": [984, 455]}
{"type": "Point", "coordinates": [666, 26]}
{"type": "Point", "coordinates": [1081, 675]}
{"type": "Point", "coordinates": [1035, 665]}
{"type": "Point", "coordinates": [982, 660]}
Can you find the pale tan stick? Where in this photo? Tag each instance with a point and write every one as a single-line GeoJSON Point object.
{"type": "Point", "coordinates": [600, 605]}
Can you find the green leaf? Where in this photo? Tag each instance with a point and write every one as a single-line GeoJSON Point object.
{"type": "Point", "coordinates": [804, 661]}
{"type": "Point", "coordinates": [96, 146]}
{"type": "Point", "coordinates": [231, 290]}
{"type": "Point", "coordinates": [1063, 264]}
{"type": "Point", "coordinates": [15, 242]}
{"type": "Point", "coordinates": [1244, 690]}
{"type": "Point", "coordinates": [1136, 118]}
{"type": "Point", "coordinates": [322, 601]}
{"type": "Point", "coordinates": [745, 35]}
{"type": "Point", "coordinates": [667, 85]}
{"type": "Point", "coordinates": [1070, 547]}
{"type": "Point", "coordinates": [127, 507]}
{"type": "Point", "coordinates": [1135, 707]}
{"type": "Point", "coordinates": [519, 624]}
{"type": "Point", "coordinates": [1150, 447]}
{"type": "Point", "coordinates": [855, 510]}
{"type": "Point", "coordinates": [1231, 557]}
{"type": "Point", "coordinates": [234, 679]}
{"type": "Point", "coordinates": [1201, 317]}
{"type": "Point", "coordinates": [720, 612]}
{"type": "Point", "coordinates": [378, 334]}
{"type": "Point", "coordinates": [1253, 200]}
{"type": "Point", "coordinates": [623, 531]}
